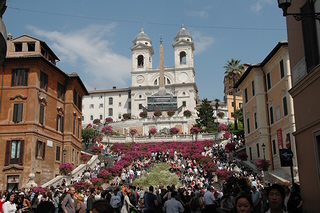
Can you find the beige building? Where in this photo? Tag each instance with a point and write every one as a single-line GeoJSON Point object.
{"type": "Point", "coordinates": [228, 97]}
{"type": "Point", "coordinates": [268, 108]}
{"type": "Point", "coordinates": [304, 54]}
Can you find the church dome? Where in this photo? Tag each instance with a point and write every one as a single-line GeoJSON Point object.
{"type": "Point", "coordinates": [142, 36]}
{"type": "Point", "coordinates": [182, 33]}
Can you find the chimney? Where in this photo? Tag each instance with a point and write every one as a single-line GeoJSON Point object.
{"type": "Point", "coordinates": [114, 87]}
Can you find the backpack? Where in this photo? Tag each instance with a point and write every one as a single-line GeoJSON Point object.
{"type": "Point", "coordinates": [194, 203]}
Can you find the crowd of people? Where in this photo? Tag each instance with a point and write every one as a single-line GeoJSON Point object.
{"type": "Point", "coordinates": [199, 192]}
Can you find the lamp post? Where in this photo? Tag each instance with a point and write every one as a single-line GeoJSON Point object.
{"type": "Point", "coordinates": [264, 151]}
{"type": "Point", "coordinates": [285, 4]}
{"type": "Point", "coordinates": [64, 155]}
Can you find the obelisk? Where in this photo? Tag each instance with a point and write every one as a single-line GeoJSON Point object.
{"type": "Point", "coordinates": [162, 90]}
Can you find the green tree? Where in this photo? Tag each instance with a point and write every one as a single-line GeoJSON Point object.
{"type": "Point", "coordinates": [234, 70]}
{"type": "Point", "coordinates": [205, 116]}
{"type": "Point", "coordinates": [86, 134]}
{"type": "Point", "coordinates": [217, 103]}
{"type": "Point", "coordinates": [239, 115]}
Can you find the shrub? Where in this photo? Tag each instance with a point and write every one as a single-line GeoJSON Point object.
{"type": "Point", "coordinates": [195, 130]}
{"type": "Point", "coordinates": [81, 186]}
{"type": "Point", "coordinates": [227, 135]}
{"type": "Point", "coordinates": [224, 174]}
{"type": "Point", "coordinates": [222, 127]}
{"type": "Point", "coordinates": [230, 147]}
{"type": "Point", "coordinates": [220, 114]}
{"type": "Point", "coordinates": [96, 182]}
{"type": "Point", "coordinates": [96, 149]}
{"type": "Point", "coordinates": [187, 113]}
{"type": "Point", "coordinates": [89, 126]}
{"type": "Point", "coordinates": [104, 174]}
{"type": "Point", "coordinates": [107, 130]}
{"type": "Point", "coordinates": [96, 121]}
{"type": "Point", "coordinates": [263, 164]}
{"type": "Point", "coordinates": [109, 120]}
{"type": "Point", "coordinates": [85, 157]}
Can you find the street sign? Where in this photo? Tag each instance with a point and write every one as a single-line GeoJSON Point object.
{"type": "Point", "coordinates": [286, 154]}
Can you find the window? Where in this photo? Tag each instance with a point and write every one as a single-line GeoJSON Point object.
{"type": "Point", "coordinates": [100, 97]}
{"type": "Point", "coordinates": [17, 113]}
{"type": "Point", "coordinates": [75, 96]}
{"type": "Point", "coordinates": [317, 151]}
{"type": "Point", "coordinates": [183, 57]}
{"type": "Point", "coordinates": [31, 46]}
{"type": "Point", "coordinates": [184, 103]}
{"type": "Point", "coordinates": [268, 81]}
{"type": "Point", "coordinates": [74, 126]}
{"type": "Point", "coordinates": [274, 147]}
{"type": "Point", "coordinates": [43, 81]}
{"type": "Point", "coordinates": [82, 118]}
{"type": "Point", "coordinates": [285, 107]}
{"type": "Point", "coordinates": [110, 101]}
{"type": "Point", "coordinates": [41, 115]}
{"type": "Point", "coordinates": [79, 102]}
{"type": "Point", "coordinates": [14, 152]}
{"type": "Point", "coordinates": [140, 106]}
{"type": "Point", "coordinates": [240, 105]}
{"type": "Point", "coordinates": [100, 117]}
{"type": "Point", "coordinates": [232, 104]}
{"type": "Point", "coordinates": [119, 104]}
{"type": "Point", "coordinates": [258, 151]}
{"type": "Point", "coordinates": [77, 158]}
{"type": "Point", "coordinates": [252, 85]}
{"type": "Point", "coordinates": [250, 153]}
{"type": "Point", "coordinates": [248, 125]}
{"type": "Point", "coordinates": [271, 115]}
{"type": "Point", "coordinates": [19, 77]}
{"type": "Point", "coordinates": [58, 153]}
{"type": "Point", "coordinates": [278, 113]}
{"type": "Point", "coordinates": [100, 105]}
{"type": "Point", "coordinates": [91, 106]}
{"type": "Point", "coordinates": [255, 121]}
{"type": "Point", "coordinates": [110, 112]}
{"type": "Point", "coordinates": [91, 117]}
{"type": "Point", "coordinates": [129, 105]}
{"type": "Point", "coordinates": [129, 94]}
{"type": "Point", "coordinates": [140, 61]}
{"type": "Point", "coordinates": [79, 126]}
{"type": "Point", "coordinates": [43, 52]}
{"type": "Point", "coordinates": [61, 91]}
{"type": "Point", "coordinates": [168, 81]}
{"type": "Point", "coordinates": [72, 156]}
{"type": "Point", "coordinates": [60, 123]}
{"type": "Point", "coordinates": [18, 47]}
{"type": "Point", "coordinates": [40, 149]}
{"type": "Point", "coordinates": [281, 69]}
{"type": "Point", "coordinates": [119, 116]}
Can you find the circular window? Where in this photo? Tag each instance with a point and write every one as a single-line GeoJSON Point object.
{"type": "Point", "coordinates": [140, 96]}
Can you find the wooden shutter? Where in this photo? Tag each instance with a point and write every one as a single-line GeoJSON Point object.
{"type": "Point", "coordinates": [62, 124]}
{"type": "Point", "coordinates": [310, 37]}
{"type": "Point", "coordinates": [41, 116]}
{"type": "Point", "coordinates": [37, 148]}
{"type": "Point", "coordinates": [8, 151]}
{"type": "Point", "coordinates": [25, 79]}
{"type": "Point", "coordinates": [57, 122]}
{"type": "Point", "coordinates": [21, 152]}
{"type": "Point", "coordinates": [15, 112]}
{"type": "Point", "coordinates": [43, 150]}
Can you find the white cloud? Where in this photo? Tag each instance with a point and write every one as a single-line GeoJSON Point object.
{"type": "Point", "coordinates": [259, 4]}
{"type": "Point", "coordinates": [201, 42]}
{"type": "Point", "coordinates": [89, 51]}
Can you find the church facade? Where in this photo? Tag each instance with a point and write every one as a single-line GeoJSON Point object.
{"type": "Point", "coordinates": [162, 88]}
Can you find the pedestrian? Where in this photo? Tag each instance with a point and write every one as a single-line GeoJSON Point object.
{"type": "Point", "coordinates": [68, 201]}
{"type": "Point", "coordinates": [149, 201]}
{"type": "Point", "coordinates": [244, 203]}
{"type": "Point", "coordinates": [276, 195]}
{"type": "Point", "coordinates": [9, 206]}
{"type": "Point", "coordinates": [126, 202]}
{"type": "Point", "coordinates": [81, 206]}
{"type": "Point", "coordinates": [173, 205]}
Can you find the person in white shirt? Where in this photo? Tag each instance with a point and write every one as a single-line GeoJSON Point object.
{"type": "Point", "coordinates": [9, 206]}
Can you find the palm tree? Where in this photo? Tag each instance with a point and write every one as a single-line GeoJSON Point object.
{"type": "Point", "coordinates": [216, 106]}
{"type": "Point", "coordinates": [234, 71]}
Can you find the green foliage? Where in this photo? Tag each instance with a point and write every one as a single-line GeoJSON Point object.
{"type": "Point", "coordinates": [205, 116]}
{"type": "Point", "coordinates": [159, 173]}
{"type": "Point", "coordinates": [86, 134]}
{"type": "Point", "coordinates": [239, 115]}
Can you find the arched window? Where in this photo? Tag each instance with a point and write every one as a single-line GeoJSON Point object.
{"type": "Point", "coordinates": [155, 82]}
{"type": "Point", "coordinates": [110, 101]}
{"type": "Point", "coordinates": [168, 81]}
{"type": "Point", "coordinates": [110, 112]}
{"type": "Point", "coordinates": [140, 61]}
{"type": "Point", "coordinates": [91, 117]}
{"type": "Point", "coordinates": [183, 59]}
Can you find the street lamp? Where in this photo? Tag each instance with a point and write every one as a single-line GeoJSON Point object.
{"type": "Point", "coordinates": [285, 4]}
{"type": "Point", "coordinates": [64, 155]}
{"type": "Point", "coordinates": [264, 151]}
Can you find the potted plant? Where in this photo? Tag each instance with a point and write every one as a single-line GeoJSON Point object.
{"type": "Point", "coordinates": [96, 149]}
{"type": "Point", "coordinates": [96, 182]}
{"type": "Point", "coordinates": [157, 113]}
{"type": "Point", "coordinates": [263, 164]}
{"type": "Point", "coordinates": [194, 130]}
{"type": "Point", "coordinates": [171, 112]}
{"type": "Point", "coordinates": [143, 114]}
{"type": "Point", "coordinates": [222, 127]}
{"type": "Point", "coordinates": [109, 120]}
{"type": "Point", "coordinates": [174, 130]}
{"type": "Point", "coordinates": [66, 168]}
{"type": "Point", "coordinates": [133, 131]}
{"type": "Point", "coordinates": [89, 126]}
{"type": "Point", "coordinates": [230, 147]}
{"type": "Point", "coordinates": [152, 131]}
{"type": "Point", "coordinates": [242, 156]}
{"type": "Point", "coordinates": [220, 114]}
{"type": "Point", "coordinates": [223, 174]}
{"type": "Point", "coordinates": [107, 130]}
{"type": "Point", "coordinates": [226, 135]}
{"type": "Point", "coordinates": [126, 116]}
{"type": "Point", "coordinates": [105, 175]}
{"type": "Point", "coordinates": [96, 121]}
{"type": "Point", "coordinates": [85, 158]}
{"type": "Point", "coordinates": [187, 113]}
{"type": "Point", "coordinates": [81, 186]}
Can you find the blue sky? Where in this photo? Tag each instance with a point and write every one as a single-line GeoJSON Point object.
{"type": "Point", "coordinates": [94, 38]}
